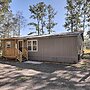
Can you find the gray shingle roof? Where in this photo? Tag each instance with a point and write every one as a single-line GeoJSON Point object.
{"type": "Point", "coordinates": [57, 35]}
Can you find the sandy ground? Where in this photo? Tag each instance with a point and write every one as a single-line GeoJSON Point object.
{"type": "Point", "coordinates": [44, 76]}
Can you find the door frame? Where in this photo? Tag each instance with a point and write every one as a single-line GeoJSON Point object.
{"type": "Point", "coordinates": [22, 44]}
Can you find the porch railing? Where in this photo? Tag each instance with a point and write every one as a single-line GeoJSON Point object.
{"type": "Point", "coordinates": [25, 53]}
{"type": "Point", "coordinates": [18, 54]}
{"type": "Point", "coordinates": [15, 53]}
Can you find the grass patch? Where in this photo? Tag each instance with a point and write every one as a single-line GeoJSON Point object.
{"type": "Point", "coordinates": [19, 68]}
{"type": "Point", "coordinates": [22, 79]}
{"type": "Point", "coordinates": [86, 56]}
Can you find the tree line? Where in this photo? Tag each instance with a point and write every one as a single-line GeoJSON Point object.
{"type": "Point", "coordinates": [78, 15]}
{"type": "Point", "coordinates": [42, 18]}
{"type": "Point", "coordinates": [10, 24]}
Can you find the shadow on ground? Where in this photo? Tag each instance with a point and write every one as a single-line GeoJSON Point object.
{"type": "Point", "coordinates": [44, 76]}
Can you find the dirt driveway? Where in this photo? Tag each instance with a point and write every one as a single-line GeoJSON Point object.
{"type": "Point", "coordinates": [44, 76]}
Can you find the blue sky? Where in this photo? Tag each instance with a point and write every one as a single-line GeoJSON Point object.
{"type": "Point", "coordinates": [23, 6]}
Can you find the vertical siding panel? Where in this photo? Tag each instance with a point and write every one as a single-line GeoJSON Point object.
{"type": "Point", "coordinates": [61, 49]}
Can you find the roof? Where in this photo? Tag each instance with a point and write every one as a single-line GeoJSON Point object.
{"type": "Point", "coordinates": [55, 35]}
{"type": "Point", "coordinates": [67, 34]}
{"type": "Point", "coordinates": [7, 38]}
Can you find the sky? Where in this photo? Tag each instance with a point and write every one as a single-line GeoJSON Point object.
{"type": "Point", "coordinates": [23, 6]}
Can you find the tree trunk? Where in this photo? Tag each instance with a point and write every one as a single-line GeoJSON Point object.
{"type": "Point", "coordinates": [38, 28]}
{"type": "Point", "coordinates": [71, 21]}
{"type": "Point", "coordinates": [19, 30]}
{"type": "Point", "coordinates": [71, 25]}
{"type": "Point", "coordinates": [84, 22]}
{"type": "Point", "coordinates": [49, 28]}
{"type": "Point", "coordinates": [42, 27]}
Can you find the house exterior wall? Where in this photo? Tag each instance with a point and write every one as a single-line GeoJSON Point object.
{"type": "Point", "coordinates": [56, 49]}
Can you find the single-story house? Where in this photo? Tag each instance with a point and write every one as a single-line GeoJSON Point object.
{"type": "Point", "coordinates": [65, 47]}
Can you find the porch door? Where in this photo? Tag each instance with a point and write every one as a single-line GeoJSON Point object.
{"type": "Point", "coordinates": [20, 45]}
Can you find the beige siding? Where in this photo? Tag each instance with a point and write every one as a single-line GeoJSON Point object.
{"type": "Point", "coordinates": [56, 49]}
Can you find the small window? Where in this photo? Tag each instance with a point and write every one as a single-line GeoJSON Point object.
{"type": "Point", "coordinates": [29, 45]}
{"type": "Point", "coordinates": [32, 45]}
{"type": "Point", "coordinates": [8, 44]}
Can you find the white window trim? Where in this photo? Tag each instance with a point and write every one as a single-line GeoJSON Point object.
{"type": "Point", "coordinates": [32, 45]}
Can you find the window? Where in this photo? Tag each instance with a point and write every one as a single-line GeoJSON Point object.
{"type": "Point", "coordinates": [8, 44]}
{"type": "Point", "coordinates": [29, 46]}
{"type": "Point", "coordinates": [32, 45]}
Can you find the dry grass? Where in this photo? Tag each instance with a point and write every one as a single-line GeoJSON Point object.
{"type": "Point", "coordinates": [86, 51]}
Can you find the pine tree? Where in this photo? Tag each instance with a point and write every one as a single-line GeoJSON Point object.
{"type": "Point", "coordinates": [70, 16]}
{"type": "Point", "coordinates": [78, 15]}
{"type": "Point", "coordinates": [42, 10]}
{"type": "Point", "coordinates": [44, 16]}
{"type": "Point", "coordinates": [36, 15]}
{"type": "Point", "coordinates": [51, 14]}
